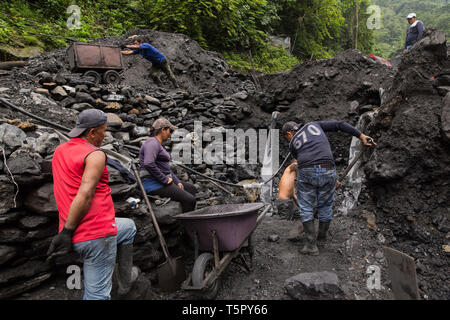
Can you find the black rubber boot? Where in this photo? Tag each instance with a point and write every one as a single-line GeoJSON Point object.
{"type": "Point", "coordinates": [310, 246]}
{"type": "Point", "coordinates": [323, 229]}
{"type": "Point", "coordinates": [125, 273]}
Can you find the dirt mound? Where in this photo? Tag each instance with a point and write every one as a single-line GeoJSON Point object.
{"type": "Point", "coordinates": [195, 68]}
{"type": "Point", "coordinates": [409, 171]}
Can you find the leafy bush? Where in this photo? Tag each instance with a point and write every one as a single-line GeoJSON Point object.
{"type": "Point", "coordinates": [267, 59]}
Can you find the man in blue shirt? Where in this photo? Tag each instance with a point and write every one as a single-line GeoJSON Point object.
{"type": "Point", "coordinates": [414, 32]}
{"type": "Point", "coordinates": [316, 178]}
{"type": "Point", "coordinates": [158, 60]}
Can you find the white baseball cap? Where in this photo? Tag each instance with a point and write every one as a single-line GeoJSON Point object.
{"type": "Point", "coordinates": [411, 15]}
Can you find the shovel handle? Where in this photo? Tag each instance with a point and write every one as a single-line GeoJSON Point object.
{"type": "Point", "coordinates": [155, 222]}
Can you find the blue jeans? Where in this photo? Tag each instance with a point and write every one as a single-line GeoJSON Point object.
{"type": "Point", "coordinates": [316, 186]}
{"type": "Point", "coordinates": [99, 259]}
{"type": "Point", "coordinates": [408, 48]}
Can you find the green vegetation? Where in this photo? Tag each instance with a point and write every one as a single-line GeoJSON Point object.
{"type": "Point", "coordinates": [317, 28]}
{"type": "Point", "coordinates": [391, 37]}
{"type": "Point", "coordinates": [267, 59]}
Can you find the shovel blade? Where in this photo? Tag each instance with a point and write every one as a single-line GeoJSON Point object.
{"type": "Point", "coordinates": [402, 270]}
{"type": "Point", "coordinates": [171, 274]}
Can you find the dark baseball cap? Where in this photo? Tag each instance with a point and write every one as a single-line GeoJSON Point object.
{"type": "Point", "coordinates": [290, 126]}
{"type": "Point", "coordinates": [87, 119]}
{"type": "Point", "coordinates": [163, 123]}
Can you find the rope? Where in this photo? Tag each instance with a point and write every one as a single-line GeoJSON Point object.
{"type": "Point", "coordinates": [12, 177]}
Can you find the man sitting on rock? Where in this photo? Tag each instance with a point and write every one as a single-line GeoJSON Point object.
{"type": "Point", "coordinates": [87, 219]}
{"type": "Point", "coordinates": [158, 60]}
{"type": "Point", "coordinates": [414, 32]}
{"type": "Point", "coordinates": [316, 179]}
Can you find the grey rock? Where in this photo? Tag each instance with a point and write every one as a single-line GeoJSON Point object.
{"type": "Point", "coordinates": [46, 143]}
{"type": "Point", "coordinates": [40, 100]}
{"type": "Point", "coordinates": [10, 217]}
{"type": "Point", "coordinates": [122, 190]}
{"type": "Point", "coordinates": [114, 98]}
{"type": "Point", "coordinates": [82, 106]}
{"type": "Point", "coordinates": [41, 233]}
{"type": "Point", "coordinates": [70, 90]}
{"type": "Point", "coordinates": [23, 286]}
{"type": "Point", "coordinates": [152, 100]}
{"type": "Point", "coordinates": [84, 97]}
{"type": "Point", "coordinates": [24, 271]}
{"type": "Point", "coordinates": [32, 222]}
{"type": "Point", "coordinates": [320, 285]}
{"type": "Point", "coordinates": [12, 235]}
{"type": "Point", "coordinates": [24, 162]}
{"type": "Point", "coordinates": [443, 90]}
{"type": "Point", "coordinates": [11, 137]}
{"type": "Point", "coordinates": [42, 201]}
{"type": "Point", "coordinates": [44, 77]}
{"type": "Point", "coordinates": [354, 107]}
{"type": "Point", "coordinates": [242, 95]}
{"type": "Point", "coordinates": [59, 93]}
{"type": "Point", "coordinates": [165, 214]}
{"type": "Point", "coordinates": [7, 253]}
{"type": "Point", "coordinates": [140, 131]}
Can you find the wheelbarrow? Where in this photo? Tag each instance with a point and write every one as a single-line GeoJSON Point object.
{"type": "Point", "coordinates": [221, 232]}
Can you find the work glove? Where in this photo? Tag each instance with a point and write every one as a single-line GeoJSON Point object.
{"type": "Point", "coordinates": [61, 244]}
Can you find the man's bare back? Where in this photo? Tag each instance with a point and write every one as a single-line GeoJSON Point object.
{"type": "Point", "coordinates": [286, 189]}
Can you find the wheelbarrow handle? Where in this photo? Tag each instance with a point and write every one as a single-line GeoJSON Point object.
{"type": "Point", "coordinates": [155, 222]}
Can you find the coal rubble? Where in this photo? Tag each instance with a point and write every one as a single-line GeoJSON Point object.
{"type": "Point", "coordinates": [407, 174]}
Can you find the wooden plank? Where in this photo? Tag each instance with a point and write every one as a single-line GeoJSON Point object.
{"type": "Point", "coordinates": [402, 271]}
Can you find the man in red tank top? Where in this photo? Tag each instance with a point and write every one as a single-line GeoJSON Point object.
{"type": "Point", "coordinates": [87, 220]}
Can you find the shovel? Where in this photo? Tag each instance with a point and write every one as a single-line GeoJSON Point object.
{"type": "Point", "coordinates": [351, 165]}
{"type": "Point", "coordinates": [171, 273]}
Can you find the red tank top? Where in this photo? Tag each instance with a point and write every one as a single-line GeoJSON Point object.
{"type": "Point", "coordinates": [68, 168]}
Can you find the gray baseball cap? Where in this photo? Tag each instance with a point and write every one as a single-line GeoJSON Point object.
{"type": "Point", "coordinates": [163, 123]}
{"type": "Point", "coordinates": [289, 126]}
{"type": "Point", "coordinates": [90, 118]}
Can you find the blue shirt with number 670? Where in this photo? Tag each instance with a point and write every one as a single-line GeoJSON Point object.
{"type": "Point", "coordinates": [310, 145]}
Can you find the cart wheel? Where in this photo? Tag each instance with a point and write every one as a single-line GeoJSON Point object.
{"type": "Point", "coordinates": [93, 74]}
{"type": "Point", "coordinates": [203, 265]}
{"type": "Point", "coordinates": [111, 77]}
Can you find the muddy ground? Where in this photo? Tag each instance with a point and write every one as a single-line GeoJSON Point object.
{"type": "Point", "coordinates": [351, 249]}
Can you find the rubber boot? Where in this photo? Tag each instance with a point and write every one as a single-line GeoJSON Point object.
{"type": "Point", "coordinates": [310, 246]}
{"type": "Point", "coordinates": [126, 273]}
{"type": "Point", "coordinates": [175, 83]}
{"type": "Point", "coordinates": [323, 229]}
{"type": "Point", "coordinates": [157, 81]}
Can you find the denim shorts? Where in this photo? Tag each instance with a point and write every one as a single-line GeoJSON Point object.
{"type": "Point", "coordinates": [316, 187]}
{"type": "Point", "coordinates": [99, 259]}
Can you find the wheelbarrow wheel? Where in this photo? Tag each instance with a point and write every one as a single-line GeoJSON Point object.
{"type": "Point", "coordinates": [93, 74]}
{"type": "Point", "coordinates": [203, 265]}
{"type": "Point", "coordinates": [111, 77]}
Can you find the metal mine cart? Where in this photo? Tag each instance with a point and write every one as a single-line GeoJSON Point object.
{"type": "Point", "coordinates": [99, 61]}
